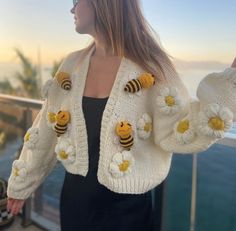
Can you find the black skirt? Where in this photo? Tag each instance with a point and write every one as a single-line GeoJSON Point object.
{"type": "Point", "coordinates": [87, 205]}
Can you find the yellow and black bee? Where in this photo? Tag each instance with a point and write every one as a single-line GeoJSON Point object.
{"type": "Point", "coordinates": [62, 120]}
{"type": "Point", "coordinates": [63, 79]}
{"type": "Point", "coordinates": [124, 131]}
{"type": "Point", "coordinates": [145, 80]}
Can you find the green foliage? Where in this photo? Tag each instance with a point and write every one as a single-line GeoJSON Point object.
{"type": "Point", "coordinates": [6, 87]}
{"type": "Point", "coordinates": [28, 78]}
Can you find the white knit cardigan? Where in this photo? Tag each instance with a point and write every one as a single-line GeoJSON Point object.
{"type": "Point", "coordinates": [163, 121]}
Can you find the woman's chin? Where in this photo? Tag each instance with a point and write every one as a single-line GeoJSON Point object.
{"type": "Point", "coordinates": [79, 30]}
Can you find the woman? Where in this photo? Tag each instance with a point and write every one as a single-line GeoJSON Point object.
{"type": "Point", "coordinates": [119, 29]}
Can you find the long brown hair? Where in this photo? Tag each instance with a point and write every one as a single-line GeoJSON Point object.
{"type": "Point", "coordinates": [125, 29]}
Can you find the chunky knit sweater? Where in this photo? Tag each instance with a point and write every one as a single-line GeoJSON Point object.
{"type": "Point", "coordinates": [143, 123]}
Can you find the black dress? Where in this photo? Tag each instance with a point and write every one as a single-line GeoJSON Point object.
{"type": "Point", "coordinates": [87, 205]}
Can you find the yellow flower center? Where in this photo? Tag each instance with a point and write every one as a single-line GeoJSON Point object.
{"type": "Point", "coordinates": [16, 172]}
{"type": "Point", "coordinates": [51, 117]}
{"type": "Point", "coordinates": [27, 136]}
{"type": "Point", "coordinates": [170, 100]}
{"type": "Point", "coordinates": [148, 127]}
{"type": "Point", "coordinates": [124, 166]}
{"type": "Point", "coordinates": [183, 126]}
{"type": "Point", "coordinates": [216, 123]}
{"type": "Point", "coordinates": [63, 155]}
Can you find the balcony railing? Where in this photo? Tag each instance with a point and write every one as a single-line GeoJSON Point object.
{"type": "Point", "coordinates": [42, 209]}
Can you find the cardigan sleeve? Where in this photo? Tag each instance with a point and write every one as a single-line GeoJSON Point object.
{"type": "Point", "coordinates": [185, 125]}
{"type": "Point", "coordinates": [37, 158]}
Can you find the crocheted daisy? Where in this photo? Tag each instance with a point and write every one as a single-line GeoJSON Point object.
{"type": "Point", "coordinates": [65, 150]}
{"type": "Point", "coordinates": [215, 120]}
{"type": "Point", "coordinates": [168, 101]}
{"type": "Point", "coordinates": [184, 132]}
{"type": "Point", "coordinates": [31, 137]}
{"type": "Point", "coordinates": [144, 126]}
{"type": "Point", "coordinates": [45, 88]}
{"type": "Point", "coordinates": [122, 164]}
{"type": "Point", "coordinates": [19, 171]}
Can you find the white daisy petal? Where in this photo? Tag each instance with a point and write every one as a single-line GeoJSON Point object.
{"type": "Point", "coordinates": [226, 114]}
{"type": "Point", "coordinates": [173, 91]}
{"type": "Point", "coordinates": [31, 137]}
{"type": "Point", "coordinates": [164, 91]}
{"type": "Point", "coordinates": [141, 123]}
{"type": "Point", "coordinates": [22, 172]}
{"type": "Point", "coordinates": [114, 167]}
{"type": "Point", "coordinates": [184, 131]}
{"type": "Point", "coordinates": [212, 110]}
{"type": "Point", "coordinates": [144, 126]}
{"type": "Point", "coordinates": [65, 148]}
{"type": "Point", "coordinates": [126, 155]}
{"type": "Point", "coordinates": [168, 102]}
{"type": "Point", "coordinates": [121, 164]}
{"type": "Point", "coordinates": [228, 125]}
{"type": "Point", "coordinates": [160, 101]}
{"type": "Point", "coordinates": [117, 158]}
{"type": "Point", "coordinates": [215, 120]}
{"type": "Point", "coordinates": [19, 170]}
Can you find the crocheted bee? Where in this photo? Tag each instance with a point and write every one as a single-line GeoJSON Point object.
{"type": "Point", "coordinates": [62, 120]}
{"type": "Point", "coordinates": [145, 80]}
{"type": "Point", "coordinates": [63, 79]}
{"type": "Point", "coordinates": [124, 131]}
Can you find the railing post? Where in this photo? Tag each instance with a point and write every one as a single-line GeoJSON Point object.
{"type": "Point", "coordinates": [38, 199]}
{"type": "Point", "coordinates": [193, 196]}
{"type": "Point", "coordinates": [163, 212]}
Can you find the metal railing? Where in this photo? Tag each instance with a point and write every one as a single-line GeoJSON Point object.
{"type": "Point", "coordinates": [27, 106]}
{"type": "Point", "coordinates": [228, 141]}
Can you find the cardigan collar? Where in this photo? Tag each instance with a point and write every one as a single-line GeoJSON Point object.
{"type": "Point", "coordinates": [79, 128]}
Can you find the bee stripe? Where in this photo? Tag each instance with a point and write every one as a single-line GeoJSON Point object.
{"type": "Point", "coordinates": [60, 128]}
{"type": "Point", "coordinates": [128, 88]}
{"type": "Point", "coordinates": [125, 141]}
{"type": "Point", "coordinates": [133, 86]}
{"type": "Point", "coordinates": [128, 145]}
{"type": "Point", "coordinates": [66, 84]}
{"type": "Point", "coordinates": [66, 81]}
{"type": "Point", "coordinates": [138, 84]}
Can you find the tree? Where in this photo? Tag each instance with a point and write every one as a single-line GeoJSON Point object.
{"type": "Point", "coordinates": [29, 84]}
{"type": "Point", "coordinates": [28, 76]}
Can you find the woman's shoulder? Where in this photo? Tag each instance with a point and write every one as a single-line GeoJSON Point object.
{"type": "Point", "coordinates": [61, 80]}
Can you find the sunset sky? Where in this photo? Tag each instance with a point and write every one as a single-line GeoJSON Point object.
{"type": "Point", "coordinates": [189, 30]}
